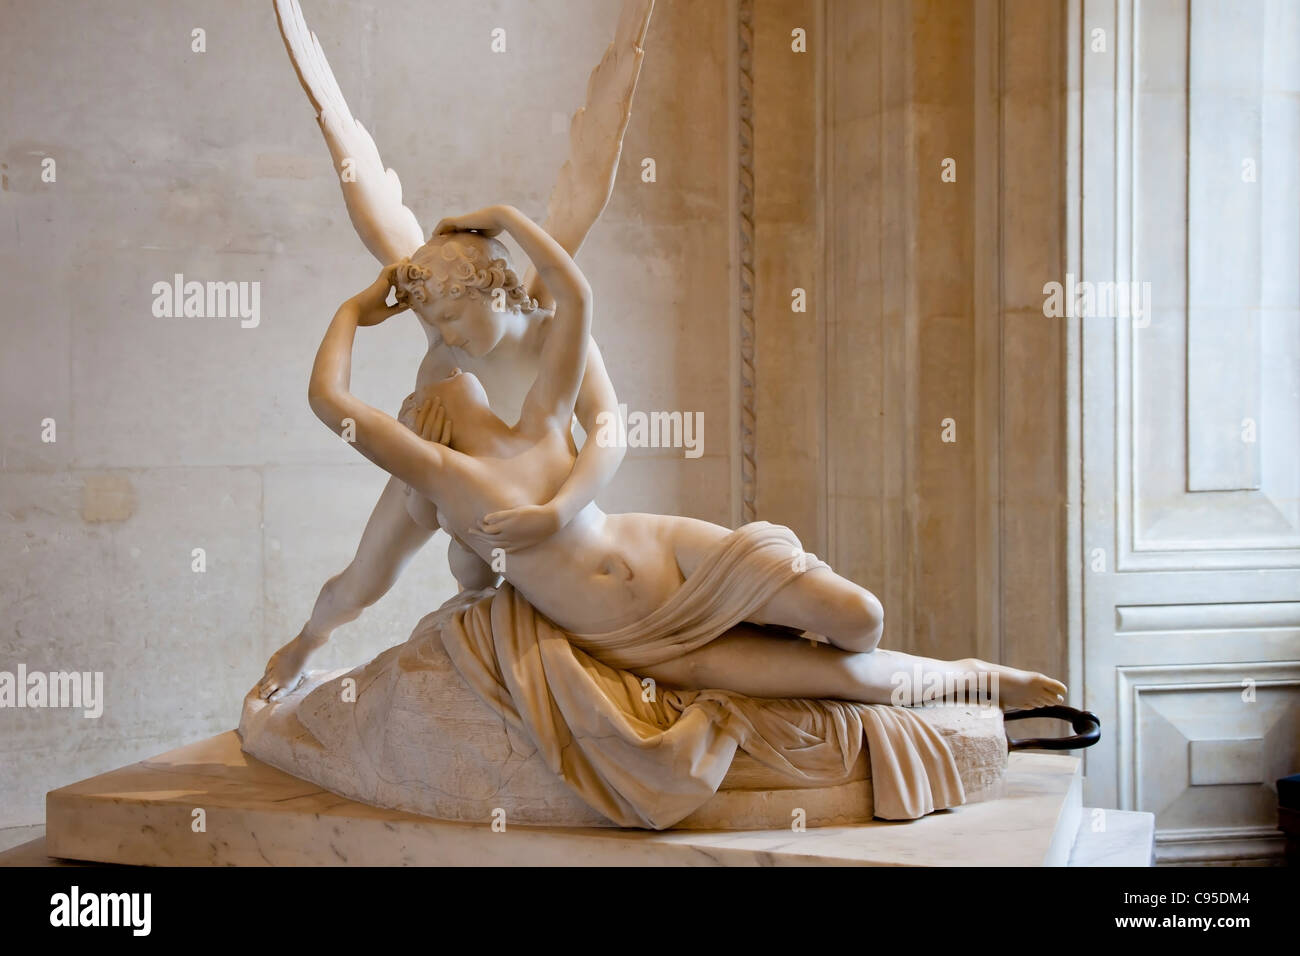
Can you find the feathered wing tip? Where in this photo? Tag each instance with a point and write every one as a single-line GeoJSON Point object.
{"type": "Point", "coordinates": [586, 179]}
{"type": "Point", "coordinates": [372, 192]}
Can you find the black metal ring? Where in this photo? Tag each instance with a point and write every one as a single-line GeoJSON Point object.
{"type": "Point", "coordinates": [1087, 729]}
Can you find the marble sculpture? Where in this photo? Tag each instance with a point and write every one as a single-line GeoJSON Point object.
{"type": "Point", "coordinates": [595, 668]}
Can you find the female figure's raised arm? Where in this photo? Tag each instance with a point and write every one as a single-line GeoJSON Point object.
{"type": "Point", "coordinates": [378, 436]}
{"type": "Point", "coordinates": [564, 353]}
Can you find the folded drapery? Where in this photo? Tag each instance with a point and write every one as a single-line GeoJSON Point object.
{"type": "Point", "coordinates": [648, 757]}
{"type": "Point", "coordinates": [737, 577]}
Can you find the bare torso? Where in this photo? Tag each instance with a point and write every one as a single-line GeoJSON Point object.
{"type": "Point", "coordinates": [623, 565]}
{"type": "Point", "coordinates": [598, 573]}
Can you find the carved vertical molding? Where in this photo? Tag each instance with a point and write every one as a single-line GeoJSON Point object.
{"type": "Point", "coordinates": [990, 329]}
{"type": "Point", "coordinates": [745, 221]}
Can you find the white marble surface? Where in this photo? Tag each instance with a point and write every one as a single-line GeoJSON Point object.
{"type": "Point", "coordinates": [257, 815]}
{"type": "Point", "coordinates": [1114, 838]}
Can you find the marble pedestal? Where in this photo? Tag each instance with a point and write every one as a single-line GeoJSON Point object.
{"type": "Point", "coordinates": [254, 814]}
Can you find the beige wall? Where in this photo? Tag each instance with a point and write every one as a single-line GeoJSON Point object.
{"type": "Point", "coordinates": [174, 434]}
{"type": "Point", "coordinates": [925, 304]}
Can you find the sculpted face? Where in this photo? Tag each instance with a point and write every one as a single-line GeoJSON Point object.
{"type": "Point", "coordinates": [468, 324]}
{"type": "Point", "coordinates": [453, 283]}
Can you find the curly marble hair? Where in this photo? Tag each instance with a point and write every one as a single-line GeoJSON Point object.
{"type": "Point", "coordinates": [460, 264]}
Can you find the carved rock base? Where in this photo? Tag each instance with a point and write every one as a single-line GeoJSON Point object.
{"type": "Point", "coordinates": [405, 732]}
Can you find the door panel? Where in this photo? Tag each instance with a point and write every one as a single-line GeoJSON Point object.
{"type": "Point", "coordinates": [1190, 413]}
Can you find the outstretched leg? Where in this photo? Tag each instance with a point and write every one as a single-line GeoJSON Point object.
{"type": "Point", "coordinates": [755, 663]}
{"type": "Point", "coordinates": [390, 540]}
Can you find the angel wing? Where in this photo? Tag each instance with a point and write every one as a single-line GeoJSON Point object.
{"type": "Point", "coordinates": [372, 193]}
{"type": "Point", "coordinates": [586, 179]}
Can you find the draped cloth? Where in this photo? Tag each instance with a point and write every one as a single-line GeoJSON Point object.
{"type": "Point", "coordinates": [647, 759]}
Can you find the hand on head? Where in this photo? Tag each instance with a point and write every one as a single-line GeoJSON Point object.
{"type": "Point", "coordinates": [372, 302]}
{"type": "Point", "coordinates": [485, 221]}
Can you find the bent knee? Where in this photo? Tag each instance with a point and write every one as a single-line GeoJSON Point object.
{"type": "Point", "coordinates": [863, 619]}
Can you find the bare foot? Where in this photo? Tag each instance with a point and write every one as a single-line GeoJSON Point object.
{"type": "Point", "coordinates": [287, 668]}
{"type": "Point", "coordinates": [1015, 689]}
